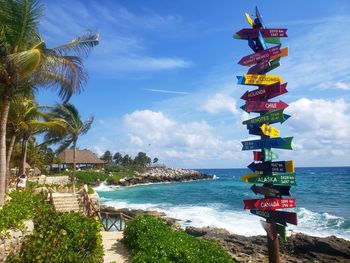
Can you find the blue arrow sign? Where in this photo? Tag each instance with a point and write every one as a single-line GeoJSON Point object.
{"type": "Point", "coordinates": [281, 143]}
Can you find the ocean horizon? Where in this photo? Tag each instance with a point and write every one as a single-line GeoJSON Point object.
{"type": "Point", "coordinates": [322, 197]}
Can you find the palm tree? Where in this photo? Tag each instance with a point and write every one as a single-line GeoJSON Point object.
{"type": "Point", "coordinates": [74, 128]}
{"type": "Point", "coordinates": [26, 62]}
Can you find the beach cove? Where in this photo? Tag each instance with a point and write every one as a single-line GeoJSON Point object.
{"type": "Point", "coordinates": [219, 202]}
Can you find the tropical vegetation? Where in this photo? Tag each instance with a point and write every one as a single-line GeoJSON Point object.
{"type": "Point", "coordinates": [150, 239]}
{"type": "Point", "coordinates": [26, 63]}
{"type": "Point", "coordinates": [57, 237]}
{"type": "Point", "coordinates": [74, 127]}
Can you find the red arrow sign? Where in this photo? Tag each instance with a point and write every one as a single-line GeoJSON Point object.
{"type": "Point", "coordinates": [269, 203]}
{"type": "Point", "coordinates": [265, 92]}
{"type": "Point", "coordinates": [258, 156]}
{"type": "Point", "coordinates": [247, 33]}
{"type": "Point", "coordinates": [258, 106]}
{"type": "Point", "coordinates": [260, 55]}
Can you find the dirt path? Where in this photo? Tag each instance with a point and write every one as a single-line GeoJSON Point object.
{"type": "Point", "coordinates": [114, 249]}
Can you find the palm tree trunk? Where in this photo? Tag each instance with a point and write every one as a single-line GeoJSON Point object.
{"type": "Point", "coordinates": [74, 164]}
{"type": "Point", "coordinates": [3, 122]}
{"type": "Point", "coordinates": [22, 163]}
{"type": "Point", "coordinates": [8, 161]}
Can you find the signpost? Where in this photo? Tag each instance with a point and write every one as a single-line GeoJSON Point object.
{"type": "Point", "coordinates": [280, 143]}
{"type": "Point", "coordinates": [271, 185]}
{"type": "Point", "coordinates": [259, 106]}
{"type": "Point", "coordinates": [264, 55]}
{"type": "Point", "coordinates": [269, 117]}
{"type": "Point", "coordinates": [265, 92]}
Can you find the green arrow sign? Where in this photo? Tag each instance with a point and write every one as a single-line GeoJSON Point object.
{"type": "Point", "coordinates": [273, 116]}
{"type": "Point", "coordinates": [270, 40]}
{"type": "Point", "coordinates": [269, 155]}
{"type": "Point", "coordinates": [278, 179]}
{"type": "Point", "coordinates": [281, 231]}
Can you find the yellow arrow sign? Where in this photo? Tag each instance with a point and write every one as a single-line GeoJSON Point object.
{"type": "Point", "coordinates": [250, 175]}
{"type": "Point", "coordinates": [270, 131]}
{"type": "Point", "coordinates": [290, 166]}
{"type": "Point", "coordinates": [250, 21]}
{"type": "Point", "coordinates": [284, 53]}
{"type": "Point", "coordinates": [251, 79]}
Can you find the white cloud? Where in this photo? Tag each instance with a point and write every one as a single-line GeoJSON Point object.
{"type": "Point", "coordinates": [337, 85]}
{"type": "Point", "coordinates": [138, 63]}
{"type": "Point", "coordinates": [321, 130]}
{"type": "Point", "coordinates": [168, 91]}
{"type": "Point", "coordinates": [193, 142]}
{"type": "Point", "coordinates": [219, 103]}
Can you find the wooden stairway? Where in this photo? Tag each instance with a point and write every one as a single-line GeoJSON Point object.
{"type": "Point", "coordinates": [66, 202]}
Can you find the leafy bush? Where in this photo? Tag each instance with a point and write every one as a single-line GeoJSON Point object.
{"type": "Point", "coordinates": [116, 176]}
{"type": "Point", "coordinates": [152, 240]}
{"type": "Point", "coordinates": [23, 205]}
{"type": "Point", "coordinates": [62, 237]}
{"type": "Point", "coordinates": [90, 176]}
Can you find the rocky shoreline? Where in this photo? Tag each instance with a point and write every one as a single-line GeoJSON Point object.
{"type": "Point", "coordinates": [162, 175]}
{"type": "Point", "coordinates": [298, 248]}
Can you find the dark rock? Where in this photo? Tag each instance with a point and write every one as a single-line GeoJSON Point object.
{"type": "Point", "coordinates": [298, 248]}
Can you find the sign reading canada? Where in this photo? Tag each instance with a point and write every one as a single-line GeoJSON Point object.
{"type": "Point", "coordinates": [272, 178]}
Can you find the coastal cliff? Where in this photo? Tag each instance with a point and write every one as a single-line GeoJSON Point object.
{"type": "Point", "coordinates": [298, 248]}
{"type": "Point", "coordinates": [162, 175]}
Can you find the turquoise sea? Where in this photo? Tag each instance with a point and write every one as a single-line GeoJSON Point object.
{"type": "Point", "coordinates": [322, 197]}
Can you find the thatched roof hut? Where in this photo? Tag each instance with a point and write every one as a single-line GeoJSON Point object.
{"type": "Point", "coordinates": [83, 157]}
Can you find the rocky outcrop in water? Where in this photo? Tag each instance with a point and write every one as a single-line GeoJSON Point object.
{"type": "Point", "coordinates": [162, 175]}
{"type": "Point", "coordinates": [298, 248]}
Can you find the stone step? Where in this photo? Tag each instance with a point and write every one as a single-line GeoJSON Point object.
{"type": "Point", "coordinates": [66, 201]}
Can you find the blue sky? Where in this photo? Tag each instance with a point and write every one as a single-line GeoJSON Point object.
{"type": "Point", "coordinates": [163, 79]}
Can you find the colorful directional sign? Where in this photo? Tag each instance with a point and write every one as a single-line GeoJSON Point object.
{"type": "Point", "coordinates": [247, 33]}
{"type": "Point", "coordinates": [260, 56]}
{"type": "Point", "coordinates": [271, 191]}
{"type": "Point", "coordinates": [264, 156]}
{"type": "Point", "coordinates": [269, 203]}
{"type": "Point", "coordinates": [269, 155]}
{"type": "Point", "coordinates": [287, 179]}
{"type": "Point", "coordinates": [269, 117]}
{"type": "Point", "coordinates": [268, 130]}
{"type": "Point", "coordinates": [264, 66]}
{"type": "Point", "coordinates": [261, 106]}
{"type": "Point", "coordinates": [280, 217]}
{"type": "Point", "coordinates": [280, 166]}
{"type": "Point", "coordinates": [280, 143]}
{"type": "Point", "coordinates": [252, 79]}
{"type": "Point", "coordinates": [266, 171]}
{"type": "Point", "coordinates": [265, 92]}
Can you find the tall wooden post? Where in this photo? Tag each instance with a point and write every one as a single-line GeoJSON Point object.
{"type": "Point", "coordinates": [276, 176]}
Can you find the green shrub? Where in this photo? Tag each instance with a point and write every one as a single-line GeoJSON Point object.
{"type": "Point", "coordinates": [152, 240]}
{"type": "Point", "coordinates": [23, 205]}
{"type": "Point", "coordinates": [62, 237]}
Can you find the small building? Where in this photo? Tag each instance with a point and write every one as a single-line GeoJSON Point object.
{"type": "Point", "coordinates": [83, 159]}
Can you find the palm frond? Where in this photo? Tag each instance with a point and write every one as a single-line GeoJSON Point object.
{"type": "Point", "coordinates": [21, 20]}
{"type": "Point", "coordinates": [26, 62]}
{"type": "Point", "coordinates": [87, 125]}
{"type": "Point", "coordinates": [67, 71]}
{"type": "Point", "coordinates": [80, 46]}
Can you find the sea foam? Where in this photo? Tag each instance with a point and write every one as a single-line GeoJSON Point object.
{"type": "Point", "coordinates": [242, 222]}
